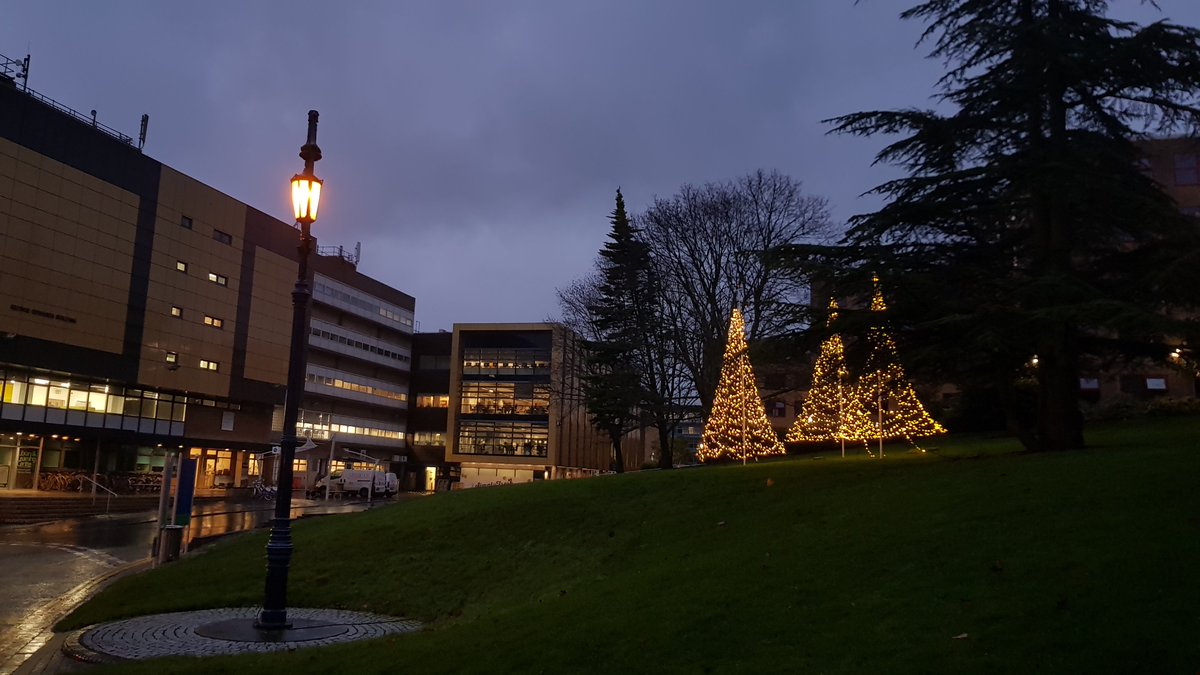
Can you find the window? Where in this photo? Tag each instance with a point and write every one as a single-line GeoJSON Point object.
{"type": "Point", "coordinates": [222, 237]}
{"type": "Point", "coordinates": [1187, 170]}
{"type": "Point", "coordinates": [184, 221]}
{"type": "Point", "coordinates": [172, 357]}
{"type": "Point", "coordinates": [429, 438]}
{"type": "Point", "coordinates": [1089, 383]}
{"type": "Point", "coordinates": [218, 279]}
{"type": "Point", "coordinates": [181, 266]}
{"type": "Point", "coordinates": [209, 365]}
{"type": "Point", "coordinates": [1156, 384]}
{"type": "Point", "coordinates": [176, 311]}
{"type": "Point", "coordinates": [213, 321]}
{"type": "Point", "coordinates": [433, 401]}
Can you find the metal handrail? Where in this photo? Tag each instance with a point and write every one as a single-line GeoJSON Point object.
{"type": "Point", "coordinates": [107, 500]}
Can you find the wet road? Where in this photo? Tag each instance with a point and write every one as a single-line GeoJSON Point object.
{"type": "Point", "coordinates": [47, 569]}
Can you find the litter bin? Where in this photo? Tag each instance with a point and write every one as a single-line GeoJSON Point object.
{"type": "Point", "coordinates": [170, 541]}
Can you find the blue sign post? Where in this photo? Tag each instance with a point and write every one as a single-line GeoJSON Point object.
{"type": "Point", "coordinates": [186, 491]}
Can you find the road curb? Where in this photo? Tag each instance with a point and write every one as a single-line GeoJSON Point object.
{"type": "Point", "coordinates": [53, 656]}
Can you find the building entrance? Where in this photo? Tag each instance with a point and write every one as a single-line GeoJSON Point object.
{"type": "Point", "coordinates": [19, 461]}
{"type": "Point", "coordinates": [214, 468]}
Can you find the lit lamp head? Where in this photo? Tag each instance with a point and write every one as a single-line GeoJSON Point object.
{"type": "Point", "coordinates": [306, 197]}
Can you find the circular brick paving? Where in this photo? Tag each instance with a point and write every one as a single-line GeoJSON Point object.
{"type": "Point", "coordinates": [148, 637]}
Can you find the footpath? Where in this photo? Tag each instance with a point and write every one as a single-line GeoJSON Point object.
{"type": "Point", "coordinates": [211, 519]}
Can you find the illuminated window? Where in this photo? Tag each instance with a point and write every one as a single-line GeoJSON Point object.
{"type": "Point", "coordinates": [209, 365]}
{"type": "Point", "coordinates": [172, 357]}
{"type": "Point", "coordinates": [181, 266]}
{"type": "Point", "coordinates": [218, 279]}
{"type": "Point", "coordinates": [436, 438]}
{"type": "Point", "coordinates": [176, 312]}
{"type": "Point", "coordinates": [299, 465]}
{"type": "Point", "coordinates": [222, 237]}
{"type": "Point", "coordinates": [433, 401]}
{"type": "Point", "coordinates": [213, 321]}
{"type": "Point", "coordinates": [1156, 384]}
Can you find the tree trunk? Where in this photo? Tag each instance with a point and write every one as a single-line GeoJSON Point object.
{"type": "Point", "coordinates": [618, 458]}
{"type": "Point", "coordinates": [666, 458]}
{"type": "Point", "coordinates": [1060, 422]}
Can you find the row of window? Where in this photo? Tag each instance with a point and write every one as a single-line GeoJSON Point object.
{"type": "Point", "coordinates": [433, 400]}
{"type": "Point", "coordinates": [513, 361]}
{"type": "Point", "coordinates": [205, 364]}
{"type": "Point", "coordinates": [351, 342]}
{"type": "Point", "coordinates": [215, 322]}
{"type": "Point", "coordinates": [95, 398]}
{"type": "Point", "coordinates": [218, 279]}
{"type": "Point", "coordinates": [435, 438]}
{"type": "Point", "coordinates": [223, 237]}
{"type": "Point", "coordinates": [505, 398]}
{"type": "Point", "coordinates": [362, 303]}
{"type": "Point", "coordinates": [487, 437]}
{"type": "Point", "coordinates": [355, 386]}
{"type": "Point", "coordinates": [321, 426]}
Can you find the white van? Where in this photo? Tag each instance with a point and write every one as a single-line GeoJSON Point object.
{"type": "Point", "coordinates": [359, 482]}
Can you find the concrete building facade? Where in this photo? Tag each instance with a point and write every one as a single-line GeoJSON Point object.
{"type": "Point", "coordinates": [142, 311]}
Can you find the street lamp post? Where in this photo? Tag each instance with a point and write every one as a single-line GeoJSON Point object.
{"type": "Point", "coordinates": [306, 196]}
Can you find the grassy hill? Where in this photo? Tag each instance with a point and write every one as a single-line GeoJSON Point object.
{"type": "Point", "coordinates": [971, 558]}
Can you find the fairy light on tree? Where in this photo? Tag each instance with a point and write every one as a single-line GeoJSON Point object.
{"type": "Point", "coordinates": [891, 403]}
{"type": "Point", "coordinates": [738, 427]}
{"type": "Point", "coordinates": [833, 409]}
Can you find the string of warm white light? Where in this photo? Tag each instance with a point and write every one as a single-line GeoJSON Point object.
{"type": "Point", "coordinates": [878, 406]}
{"type": "Point", "coordinates": [833, 409]}
{"type": "Point", "coordinates": [887, 394]}
{"type": "Point", "coordinates": [737, 427]}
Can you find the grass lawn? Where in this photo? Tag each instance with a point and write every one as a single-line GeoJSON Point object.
{"type": "Point", "coordinates": [972, 558]}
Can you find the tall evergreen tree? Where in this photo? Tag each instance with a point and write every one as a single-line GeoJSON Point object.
{"type": "Point", "coordinates": [634, 377]}
{"type": "Point", "coordinates": [612, 386]}
{"type": "Point", "coordinates": [1012, 230]}
{"type": "Point", "coordinates": [738, 426]}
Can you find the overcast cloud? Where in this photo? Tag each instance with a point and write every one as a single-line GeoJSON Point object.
{"type": "Point", "coordinates": [474, 147]}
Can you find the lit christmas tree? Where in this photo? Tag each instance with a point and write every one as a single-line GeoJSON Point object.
{"type": "Point", "coordinates": [738, 426]}
{"type": "Point", "coordinates": [833, 409]}
{"type": "Point", "coordinates": [893, 407]}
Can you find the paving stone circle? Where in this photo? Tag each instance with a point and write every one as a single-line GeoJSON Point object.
{"type": "Point", "coordinates": [174, 634]}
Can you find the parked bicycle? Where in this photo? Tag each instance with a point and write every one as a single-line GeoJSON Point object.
{"type": "Point", "coordinates": [262, 491]}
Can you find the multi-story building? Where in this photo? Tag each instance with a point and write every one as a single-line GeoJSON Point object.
{"type": "Point", "coordinates": [1175, 164]}
{"type": "Point", "coordinates": [516, 412]}
{"type": "Point", "coordinates": [142, 311]}
{"type": "Point", "coordinates": [429, 402]}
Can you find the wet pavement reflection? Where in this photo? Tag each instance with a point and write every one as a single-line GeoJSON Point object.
{"type": "Point", "coordinates": [47, 566]}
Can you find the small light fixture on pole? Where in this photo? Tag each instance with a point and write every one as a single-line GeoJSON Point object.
{"type": "Point", "coordinates": [306, 197]}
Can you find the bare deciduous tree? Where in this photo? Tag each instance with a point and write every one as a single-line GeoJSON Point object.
{"type": "Point", "coordinates": [710, 245]}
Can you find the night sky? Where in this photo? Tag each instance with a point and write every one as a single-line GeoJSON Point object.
{"type": "Point", "coordinates": [474, 147]}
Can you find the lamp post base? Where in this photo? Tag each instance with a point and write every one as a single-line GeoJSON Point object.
{"type": "Point", "coordinates": [249, 630]}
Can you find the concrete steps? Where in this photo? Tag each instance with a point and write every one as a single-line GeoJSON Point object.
{"type": "Point", "coordinates": [21, 510]}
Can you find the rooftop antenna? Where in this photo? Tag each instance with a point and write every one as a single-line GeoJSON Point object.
{"type": "Point", "coordinates": [142, 133]}
{"type": "Point", "coordinates": [24, 74]}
